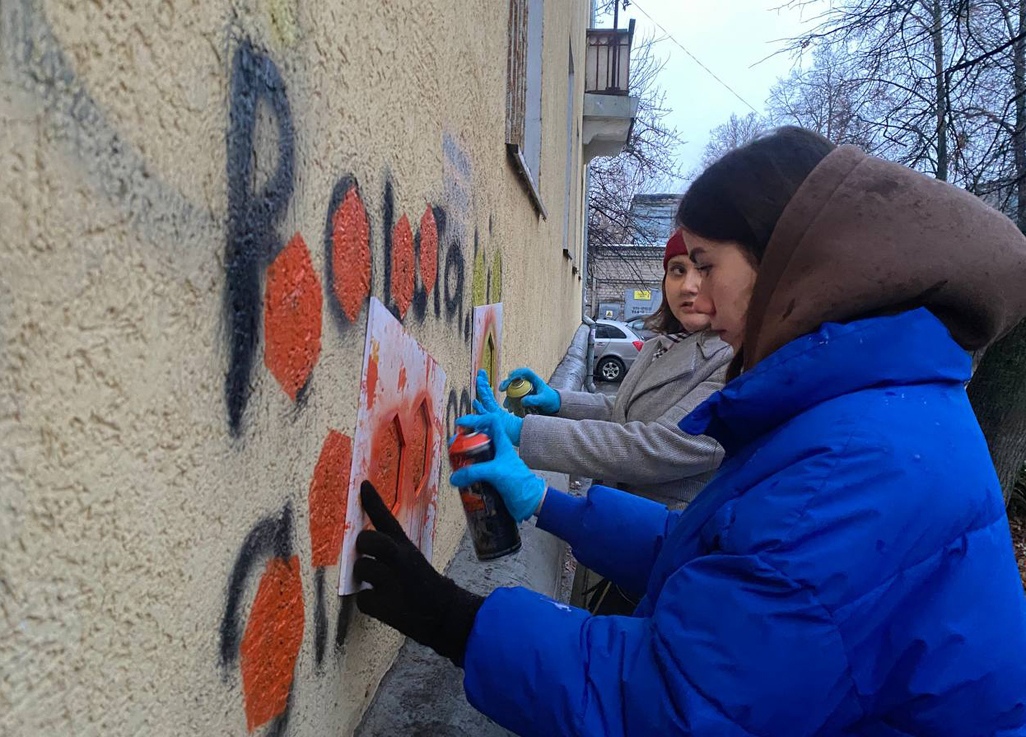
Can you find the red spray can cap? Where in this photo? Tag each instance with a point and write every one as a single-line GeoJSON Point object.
{"type": "Point", "coordinates": [467, 442]}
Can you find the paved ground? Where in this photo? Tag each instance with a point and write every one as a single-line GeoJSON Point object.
{"type": "Point", "coordinates": [422, 694]}
{"type": "Point", "coordinates": [584, 578]}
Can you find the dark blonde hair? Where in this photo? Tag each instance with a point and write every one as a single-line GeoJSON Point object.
{"type": "Point", "coordinates": [663, 320]}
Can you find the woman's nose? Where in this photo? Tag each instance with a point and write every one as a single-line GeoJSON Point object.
{"type": "Point", "coordinates": [703, 305]}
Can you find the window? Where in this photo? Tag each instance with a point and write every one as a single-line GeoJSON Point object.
{"type": "Point", "coordinates": [569, 249]}
{"type": "Point", "coordinates": [608, 332]}
{"type": "Point", "coordinates": [524, 92]}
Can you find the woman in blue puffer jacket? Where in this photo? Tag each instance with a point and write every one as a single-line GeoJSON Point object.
{"type": "Point", "coordinates": [850, 570]}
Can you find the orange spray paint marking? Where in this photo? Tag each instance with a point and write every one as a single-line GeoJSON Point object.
{"type": "Point", "coordinates": [389, 450]}
{"type": "Point", "coordinates": [428, 249]}
{"type": "Point", "coordinates": [402, 265]}
{"type": "Point", "coordinates": [372, 374]}
{"type": "Point", "coordinates": [292, 317]}
{"type": "Point", "coordinates": [271, 642]}
{"type": "Point", "coordinates": [386, 462]}
{"type": "Point", "coordinates": [327, 498]}
{"type": "Point", "coordinates": [418, 443]}
{"type": "Point", "coordinates": [350, 254]}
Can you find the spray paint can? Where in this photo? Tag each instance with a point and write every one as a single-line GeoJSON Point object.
{"type": "Point", "coordinates": [492, 528]}
{"type": "Point", "coordinates": [516, 390]}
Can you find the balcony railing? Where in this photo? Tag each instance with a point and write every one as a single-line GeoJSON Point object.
{"type": "Point", "coordinates": [608, 64]}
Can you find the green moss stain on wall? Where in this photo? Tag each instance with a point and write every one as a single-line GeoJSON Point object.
{"type": "Point", "coordinates": [495, 278]}
{"type": "Point", "coordinates": [478, 291]}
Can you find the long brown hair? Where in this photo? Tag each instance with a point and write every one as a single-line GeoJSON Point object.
{"type": "Point", "coordinates": [663, 320]}
{"type": "Point", "coordinates": [740, 197]}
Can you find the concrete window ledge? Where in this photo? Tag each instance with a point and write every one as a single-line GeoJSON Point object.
{"type": "Point", "coordinates": [422, 694]}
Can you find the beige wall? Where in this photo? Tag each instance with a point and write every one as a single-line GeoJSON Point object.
{"type": "Point", "coordinates": [128, 291]}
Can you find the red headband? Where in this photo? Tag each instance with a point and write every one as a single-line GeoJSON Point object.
{"type": "Point", "coordinates": [674, 247]}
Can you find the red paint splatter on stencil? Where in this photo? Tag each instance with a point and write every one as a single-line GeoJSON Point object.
{"type": "Point", "coordinates": [387, 446]}
{"type": "Point", "coordinates": [402, 378]}
{"type": "Point", "coordinates": [402, 265]}
{"type": "Point", "coordinates": [327, 498]}
{"type": "Point", "coordinates": [372, 374]}
{"type": "Point", "coordinates": [292, 317]}
{"type": "Point", "coordinates": [271, 642]}
{"type": "Point", "coordinates": [350, 254]}
{"type": "Point", "coordinates": [428, 249]}
{"type": "Point", "coordinates": [400, 458]}
{"type": "Point", "coordinates": [417, 446]}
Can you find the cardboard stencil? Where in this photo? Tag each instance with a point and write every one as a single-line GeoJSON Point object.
{"type": "Point", "coordinates": [486, 351]}
{"type": "Point", "coordinates": [398, 436]}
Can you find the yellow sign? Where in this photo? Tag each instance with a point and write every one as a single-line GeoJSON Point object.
{"type": "Point", "coordinates": [643, 294]}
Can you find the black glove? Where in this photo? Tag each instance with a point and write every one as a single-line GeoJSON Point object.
{"type": "Point", "coordinates": [409, 595]}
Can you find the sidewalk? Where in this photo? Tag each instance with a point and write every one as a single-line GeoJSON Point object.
{"type": "Point", "coordinates": [422, 694]}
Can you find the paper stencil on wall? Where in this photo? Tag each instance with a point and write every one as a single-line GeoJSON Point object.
{"type": "Point", "coordinates": [487, 346]}
{"type": "Point", "coordinates": [398, 436]}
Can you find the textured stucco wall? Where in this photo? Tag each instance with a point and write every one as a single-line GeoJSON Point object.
{"type": "Point", "coordinates": [196, 199]}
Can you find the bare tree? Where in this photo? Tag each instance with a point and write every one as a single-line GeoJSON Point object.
{"type": "Point", "coordinates": [825, 98]}
{"type": "Point", "coordinates": [987, 103]}
{"type": "Point", "coordinates": [992, 75]}
{"type": "Point", "coordinates": [896, 54]}
{"type": "Point", "coordinates": [998, 396]}
{"type": "Point", "coordinates": [648, 162]}
{"type": "Point", "coordinates": [736, 132]}
{"type": "Point", "coordinates": [941, 86]}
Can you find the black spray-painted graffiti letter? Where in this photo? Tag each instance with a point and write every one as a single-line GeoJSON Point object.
{"type": "Point", "coordinates": [252, 216]}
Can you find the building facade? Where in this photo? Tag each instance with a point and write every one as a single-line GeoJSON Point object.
{"type": "Point", "coordinates": [617, 272]}
{"type": "Point", "coordinates": [198, 203]}
{"type": "Point", "coordinates": [623, 276]}
{"type": "Point", "coordinates": [653, 217]}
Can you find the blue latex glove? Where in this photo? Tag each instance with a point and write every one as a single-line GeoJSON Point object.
{"type": "Point", "coordinates": [521, 490]}
{"type": "Point", "coordinates": [544, 398]}
{"type": "Point", "coordinates": [485, 404]}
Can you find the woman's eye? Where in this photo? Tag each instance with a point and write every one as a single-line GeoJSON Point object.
{"type": "Point", "coordinates": [703, 268]}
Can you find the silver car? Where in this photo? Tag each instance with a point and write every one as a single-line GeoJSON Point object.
{"type": "Point", "coordinates": [638, 326]}
{"type": "Point", "coordinates": [616, 347]}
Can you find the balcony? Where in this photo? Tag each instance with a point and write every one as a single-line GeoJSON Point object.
{"type": "Point", "coordinates": [609, 110]}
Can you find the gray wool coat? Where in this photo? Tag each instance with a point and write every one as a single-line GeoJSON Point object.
{"type": "Point", "coordinates": [634, 442]}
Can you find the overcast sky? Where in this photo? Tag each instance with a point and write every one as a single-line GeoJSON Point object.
{"type": "Point", "coordinates": [728, 36]}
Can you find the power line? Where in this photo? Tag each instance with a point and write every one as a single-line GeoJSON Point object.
{"type": "Point", "coordinates": [693, 57]}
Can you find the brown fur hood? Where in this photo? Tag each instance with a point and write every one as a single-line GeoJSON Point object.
{"type": "Point", "coordinates": [863, 236]}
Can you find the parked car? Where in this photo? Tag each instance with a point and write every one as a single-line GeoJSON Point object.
{"type": "Point", "coordinates": [616, 347]}
{"type": "Point", "coordinates": [638, 326]}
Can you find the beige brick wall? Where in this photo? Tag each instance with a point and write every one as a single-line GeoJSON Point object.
{"type": "Point", "coordinates": [156, 158]}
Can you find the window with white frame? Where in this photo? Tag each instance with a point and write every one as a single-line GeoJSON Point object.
{"type": "Point", "coordinates": [524, 92]}
{"type": "Point", "coordinates": [572, 149]}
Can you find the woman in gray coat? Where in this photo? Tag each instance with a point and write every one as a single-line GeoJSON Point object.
{"type": "Point", "coordinates": [635, 436]}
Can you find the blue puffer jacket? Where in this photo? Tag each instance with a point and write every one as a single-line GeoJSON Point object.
{"type": "Point", "coordinates": [849, 572]}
